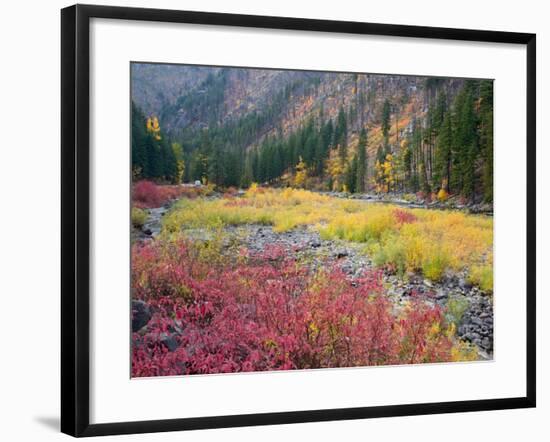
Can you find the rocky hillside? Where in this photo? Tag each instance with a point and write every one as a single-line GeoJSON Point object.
{"type": "Point", "coordinates": [155, 86]}
{"type": "Point", "coordinates": [191, 97]}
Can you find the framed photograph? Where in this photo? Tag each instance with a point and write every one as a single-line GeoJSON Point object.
{"type": "Point", "coordinates": [272, 220]}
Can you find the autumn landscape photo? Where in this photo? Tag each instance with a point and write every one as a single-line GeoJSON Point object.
{"type": "Point", "coordinates": [285, 220]}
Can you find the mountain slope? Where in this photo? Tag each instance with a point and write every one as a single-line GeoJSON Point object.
{"type": "Point", "coordinates": [234, 115]}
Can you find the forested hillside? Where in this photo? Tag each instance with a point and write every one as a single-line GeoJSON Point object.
{"type": "Point", "coordinates": [316, 130]}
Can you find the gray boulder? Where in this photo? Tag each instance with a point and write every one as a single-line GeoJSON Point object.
{"type": "Point", "coordinates": [141, 315]}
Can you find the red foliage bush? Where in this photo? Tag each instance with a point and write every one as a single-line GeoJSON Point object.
{"type": "Point", "coordinates": [230, 192]}
{"type": "Point", "coordinates": [147, 194]}
{"type": "Point", "coordinates": [404, 217]}
{"type": "Point", "coordinates": [269, 314]}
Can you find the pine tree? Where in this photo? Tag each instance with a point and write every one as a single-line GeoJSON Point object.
{"type": "Point", "coordinates": [362, 165]}
{"type": "Point", "coordinates": [232, 168]}
{"type": "Point", "coordinates": [247, 177]}
{"type": "Point", "coordinates": [310, 146]}
{"type": "Point", "coordinates": [351, 175]}
{"type": "Point", "coordinates": [199, 166]}
{"type": "Point", "coordinates": [177, 149]}
{"type": "Point", "coordinates": [407, 165]}
{"type": "Point", "coordinates": [139, 154]}
{"type": "Point", "coordinates": [443, 154]}
{"type": "Point", "coordinates": [215, 172]}
{"type": "Point", "coordinates": [486, 137]}
{"type": "Point", "coordinates": [153, 166]}
{"type": "Point", "coordinates": [440, 110]}
{"type": "Point", "coordinates": [168, 160]}
{"type": "Point", "coordinates": [326, 134]}
{"type": "Point", "coordinates": [341, 136]}
{"type": "Point", "coordinates": [465, 143]}
{"type": "Point", "coordinates": [386, 115]}
{"type": "Point", "coordinates": [320, 155]}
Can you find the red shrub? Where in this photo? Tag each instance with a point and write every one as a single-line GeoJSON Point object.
{"type": "Point", "coordinates": [270, 314]}
{"type": "Point", "coordinates": [403, 217]}
{"type": "Point", "coordinates": [427, 197]}
{"type": "Point", "coordinates": [146, 194]}
{"type": "Point", "coordinates": [420, 335]}
{"type": "Point", "coordinates": [230, 192]}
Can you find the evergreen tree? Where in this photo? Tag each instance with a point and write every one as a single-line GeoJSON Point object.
{"type": "Point", "coordinates": [341, 135]}
{"type": "Point", "coordinates": [408, 166]}
{"type": "Point", "coordinates": [255, 166]}
{"type": "Point", "coordinates": [168, 160]}
{"type": "Point", "coordinates": [292, 155]}
{"type": "Point", "coordinates": [320, 155]}
{"type": "Point", "coordinates": [443, 154]}
{"type": "Point", "coordinates": [351, 175]}
{"type": "Point", "coordinates": [277, 160]}
{"type": "Point", "coordinates": [486, 137]}
{"type": "Point", "coordinates": [310, 144]}
{"type": "Point", "coordinates": [232, 168]}
{"type": "Point", "coordinates": [386, 115]}
{"type": "Point", "coordinates": [216, 169]}
{"type": "Point", "coordinates": [153, 160]}
{"type": "Point", "coordinates": [466, 141]}
{"type": "Point", "coordinates": [440, 110]}
{"type": "Point", "coordinates": [421, 175]}
{"type": "Point", "coordinates": [380, 154]}
{"type": "Point", "coordinates": [362, 165]}
{"type": "Point", "coordinates": [139, 155]}
{"type": "Point", "coordinates": [200, 159]}
{"type": "Point", "coordinates": [247, 177]}
{"type": "Point", "coordinates": [177, 150]}
{"type": "Point", "coordinates": [327, 132]}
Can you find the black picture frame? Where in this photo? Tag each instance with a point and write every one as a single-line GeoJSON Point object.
{"type": "Point", "coordinates": [75, 213]}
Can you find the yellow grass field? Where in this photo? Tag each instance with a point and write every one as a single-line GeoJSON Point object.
{"type": "Point", "coordinates": [424, 240]}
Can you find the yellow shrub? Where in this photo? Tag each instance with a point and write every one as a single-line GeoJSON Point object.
{"type": "Point", "coordinates": [361, 226]}
{"type": "Point", "coordinates": [138, 216]}
{"type": "Point", "coordinates": [435, 265]}
{"type": "Point", "coordinates": [442, 195]}
{"type": "Point", "coordinates": [253, 189]}
{"type": "Point", "coordinates": [482, 276]}
{"type": "Point", "coordinates": [464, 352]}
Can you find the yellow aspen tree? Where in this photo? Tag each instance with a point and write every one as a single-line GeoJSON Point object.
{"type": "Point", "coordinates": [442, 195]}
{"type": "Point", "coordinates": [153, 127]}
{"type": "Point", "coordinates": [301, 173]}
{"type": "Point", "coordinates": [180, 167]}
{"type": "Point", "coordinates": [389, 172]}
{"type": "Point", "coordinates": [335, 170]}
{"type": "Point", "coordinates": [379, 176]}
